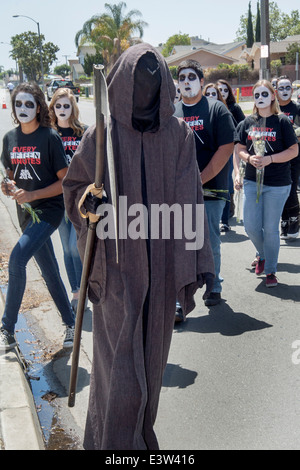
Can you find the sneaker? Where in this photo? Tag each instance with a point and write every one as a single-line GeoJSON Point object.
{"type": "Point", "coordinates": [254, 262]}
{"type": "Point", "coordinates": [214, 298]}
{"type": "Point", "coordinates": [179, 317]}
{"type": "Point", "coordinates": [224, 228]}
{"type": "Point", "coordinates": [271, 280]}
{"type": "Point", "coordinates": [284, 229]}
{"type": "Point", "coordinates": [7, 340]}
{"type": "Point", "coordinates": [293, 228]}
{"type": "Point", "coordinates": [69, 338]}
{"type": "Point", "coordinates": [260, 266]}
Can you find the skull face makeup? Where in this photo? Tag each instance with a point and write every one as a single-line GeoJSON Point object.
{"type": "Point", "coordinates": [63, 109]}
{"type": "Point", "coordinates": [189, 83]}
{"type": "Point", "coordinates": [211, 92]}
{"type": "Point", "coordinates": [25, 107]}
{"type": "Point", "coordinates": [284, 90]}
{"type": "Point", "coordinates": [224, 90]}
{"type": "Point", "coordinates": [262, 97]}
{"type": "Point", "coordinates": [178, 95]}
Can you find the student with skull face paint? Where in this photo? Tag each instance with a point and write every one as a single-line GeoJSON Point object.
{"type": "Point", "coordinates": [238, 115]}
{"type": "Point", "coordinates": [64, 115]}
{"type": "Point", "coordinates": [35, 161]}
{"type": "Point", "coordinates": [262, 217]}
{"type": "Point", "coordinates": [214, 133]}
{"type": "Point", "coordinates": [229, 98]}
{"type": "Point", "coordinates": [212, 91]}
{"type": "Point", "coordinates": [290, 214]}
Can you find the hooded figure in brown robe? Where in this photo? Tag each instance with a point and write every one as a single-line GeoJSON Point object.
{"type": "Point", "coordinates": [134, 299]}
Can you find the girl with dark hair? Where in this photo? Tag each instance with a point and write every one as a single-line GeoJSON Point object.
{"type": "Point", "coordinates": [229, 98]}
{"type": "Point", "coordinates": [64, 115]}
{"type": "Point", "coordinates": [33, 89]}
{"type": "Point", "coordinates": [35, 162]}
{"type": "Point", "coordinates": [238, 115]}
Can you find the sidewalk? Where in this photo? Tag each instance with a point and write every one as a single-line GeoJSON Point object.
{"type": "Point", "coordinates": [19, 423]}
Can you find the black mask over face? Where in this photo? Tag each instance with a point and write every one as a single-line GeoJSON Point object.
{"type": "Point", "coordinates": [146, 94]}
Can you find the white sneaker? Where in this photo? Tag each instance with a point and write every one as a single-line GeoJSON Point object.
{"type": "Point", "coordinates": [69, 338]}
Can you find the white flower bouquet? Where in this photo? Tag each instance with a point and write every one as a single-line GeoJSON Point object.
{"type": "Point", "coordinates": [259, 149]}
{"type": "Point", "coordinates": [239, 193]}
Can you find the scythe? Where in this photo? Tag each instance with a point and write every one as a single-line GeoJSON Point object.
{"type": "Point", "coordinates": [102, 110]}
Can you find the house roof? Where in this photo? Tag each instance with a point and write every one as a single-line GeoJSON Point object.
{"type": "Point", "coordinates": [190, 51]}
{"type": "Point", "coordinates": [78, 68]}
{"type": "Point", "coordinates": [275, 46]}
{"type": "Point", "coordinates": [222, 49]}
{"type": "Point", "coordinates": [218, 50]}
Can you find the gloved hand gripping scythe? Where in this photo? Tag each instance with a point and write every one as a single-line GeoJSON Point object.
{"type": "Point", "coordinates": [96, 189]}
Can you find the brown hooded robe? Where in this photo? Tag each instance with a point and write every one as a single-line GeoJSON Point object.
{"type": "Point", "coordinates": [134, 300]}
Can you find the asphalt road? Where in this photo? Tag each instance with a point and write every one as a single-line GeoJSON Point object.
{"type": "Point", "coordinates": [233, 374]}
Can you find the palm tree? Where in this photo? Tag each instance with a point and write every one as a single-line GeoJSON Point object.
{"type": "Point", "coordinates": [112, 32]}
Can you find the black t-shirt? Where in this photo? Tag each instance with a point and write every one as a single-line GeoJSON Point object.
{"type": "Point", "coordinates": [278, 134]}
{"type": "Point", "coordinates": [292, 111]}
{"type": "Point", "coordinates": [70, 141]}
{"type": "Point", "coordinates": [236, 112]}
{"type": "Point", "coordinates": [213, 126]}
{"type": "Point", "coordinates": [34, 160]}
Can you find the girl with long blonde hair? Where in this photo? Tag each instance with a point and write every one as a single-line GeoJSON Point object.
{"type": "Point", "coordinates": [64, 115]}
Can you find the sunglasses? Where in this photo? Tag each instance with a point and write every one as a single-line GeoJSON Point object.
{"type": "Point", "coordinates": [27, 104]}
{"type": "Point", "coordinates": [191, 77]}
{"type": "Point", "coordinates": [287, 88]}
{"type": "Point", "coordinates": [65, 106]}
{"type": "Point", "coordinates": [264, 94]}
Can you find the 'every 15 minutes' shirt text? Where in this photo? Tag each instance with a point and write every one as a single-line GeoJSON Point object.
{"type": "Point", "coordinates": [213, 126]}
{"type": "Point", "coordinates": [35, 160]}
{"type": "Point", "coordinates": [278, 134]}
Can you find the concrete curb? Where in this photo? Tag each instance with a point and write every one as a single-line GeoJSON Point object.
{"type": "Point", "coordinates": [20, 427]}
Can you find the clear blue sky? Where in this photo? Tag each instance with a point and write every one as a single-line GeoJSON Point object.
{"type": "Point", "coordinates": [59, 20]}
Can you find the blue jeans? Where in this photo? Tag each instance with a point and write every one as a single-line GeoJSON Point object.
{"type": "Point", "coordinates": [35, 241]}
{"type": "Point", "coordinates": [262, 218]}
{"type": "Point", "coordinates": [71, 256]}
{"type": "Point", "coordinates": [214, 211]}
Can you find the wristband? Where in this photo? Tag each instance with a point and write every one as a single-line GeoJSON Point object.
{"type": "Point", "coordinates": [271, 159]}
{"type": "Point", "coordinates": [248, 159]}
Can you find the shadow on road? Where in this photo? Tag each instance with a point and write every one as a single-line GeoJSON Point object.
{"type": "Point", "coordinates": [177, 376]}
{"type": "Point", "coordinates": [222, 319]}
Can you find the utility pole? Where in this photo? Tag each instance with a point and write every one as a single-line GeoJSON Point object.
{"type": "Point", "coordinates": [66, 57]}
{"type": "Point", "coordinates": [265, 40]}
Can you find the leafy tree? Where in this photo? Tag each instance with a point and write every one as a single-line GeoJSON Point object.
{"type": "Point", "coordinates": [90, 60]}
{"type": "Point", "coordinates": [276, 67]}
{"type": "Point", "coordinates": [62, 70]}
{"type": "Point", "coordinates": [25, 49]}
{"type": "Point", "coordinates": [281, 24]}
{"type": "Point", "coordinates": [291, 53]}
{"type": "Point", "coordinates": [175, 40]}
{"type": "Point", "coordinates": [112, 32]}
{"type": "Point", "coordinates": [250, 34]}
{"type": "Point", "coordinates": [258, 25]}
